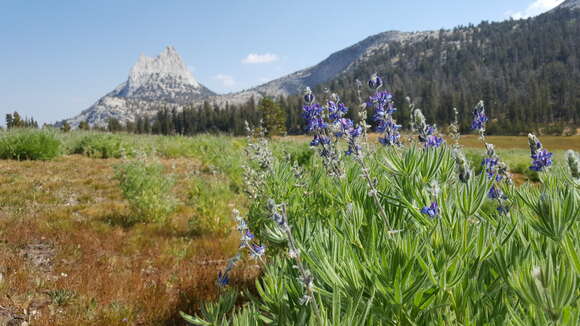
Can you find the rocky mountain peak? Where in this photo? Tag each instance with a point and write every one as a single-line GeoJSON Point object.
{"type": "Point", "coordinates": [149, 70]}
{"type": "Point", "coordinates": [153, 82]}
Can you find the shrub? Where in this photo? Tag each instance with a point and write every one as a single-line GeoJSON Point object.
{"type": "Point", "coordinates": [29, 144]}
{"type": "Point", "coordinates": [147, 189]}
{"type": "Point", "coordinates": [101, 146]}
{"type": "Point", "coordinates": [210, 196]}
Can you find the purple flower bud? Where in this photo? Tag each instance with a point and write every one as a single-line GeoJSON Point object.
{"type": "Point", "coordinates": [223, 279]}
{"type": "Point", "coordinates": [308, 96]}
{"type": "Point", "coordinates": [432, 211]}
{"type": "Point", "coordinates": [375, 82]}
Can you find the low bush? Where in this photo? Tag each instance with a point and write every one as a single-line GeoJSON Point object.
{"type": "Point", "coordinates": [211, 198]}
{"type": "Point", "coordinates": [147, 189]}
{"type": "Point", "coordinates": [29, 144]}
{"type": "Point", "coordinates": [102, 146]}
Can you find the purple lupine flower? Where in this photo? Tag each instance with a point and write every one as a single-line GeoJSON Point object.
{"type": "Point", "coordinates": [319, 140]}
{"type": "Point", "coordinates": [433, 141]}
{"type": "Point", "coordinates": [313, 116]}
{"type": "Point", "coordinates": [489, 164]}
{"type": "Point", "coordinates": [384, 109]}
{"type": "Point", "coordinates": [541, 158]}
{"type": "Point", "coordinates": [336, 110]}
{"type": "Point", "coordinates": [427, 133]}
{"type": "Point", "coordinates": [495, 193]}
{"type": "Point", "coordinates": [432, 211]}
{"type": "Point", "coordinates": [479, 117]}
{"type": "Point", "coordinates": [347, 128]}
{"type": "Point", "coordinates": [248, 236]}
{"type": "Point", "coordinates": [223, 279]}
{"type": "Point", "coordinates": [344, 125]}
{"type": "Point", "coordinates": [257, 251]}
{"type": "Point", "coordinates": [382, 100]}
{"type": "Point", "coordinates": [375, 82]}
{"type": "Point", "coordinates": [390, 140]}
{"type": "Point", "coordinates": [503, 209]}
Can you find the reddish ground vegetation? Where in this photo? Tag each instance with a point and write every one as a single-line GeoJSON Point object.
{"type": "Point", "coordinates": [68, 258]}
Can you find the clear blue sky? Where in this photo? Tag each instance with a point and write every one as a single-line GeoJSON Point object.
{"type": "Point", "coordinates": [58, 57]}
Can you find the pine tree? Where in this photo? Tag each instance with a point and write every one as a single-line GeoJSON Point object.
{"type": "Point", "coordinates": [274, 117]}
{"type": "Point", "coordinates": [65, 127]}
{"type": "Point", "coordinates": [84, 125]}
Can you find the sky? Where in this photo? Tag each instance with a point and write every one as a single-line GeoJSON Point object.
{"type": "Point", "coordinates": [58, 57]}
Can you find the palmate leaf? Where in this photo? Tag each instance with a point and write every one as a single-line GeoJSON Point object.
{"type": "Point", "coordinates": [555, 211]}
{"type": "Point", "coordinates": [471, 196]}
{"type": "Point", "coordinates": [549, 286]}
{"type": "Point", "coordinates": [214, 313]}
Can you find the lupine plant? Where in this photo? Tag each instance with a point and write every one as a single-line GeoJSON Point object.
{"type": "Point", "coordinates": [406, 237]}
{"type": "Point", "coordinates": [494, 167]}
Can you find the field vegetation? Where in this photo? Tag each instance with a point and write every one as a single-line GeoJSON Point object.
{"type": "Point", "coordinates": [115, 229]}
{"type": "Point", "coordinates": [404, 232]}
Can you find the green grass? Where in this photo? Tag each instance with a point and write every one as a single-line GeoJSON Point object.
{"type": "Point", "coordinates": [29, 144]}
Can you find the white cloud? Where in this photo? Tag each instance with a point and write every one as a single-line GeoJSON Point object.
{"type": "Point", "coordinates": [226, 80]}
{"type": "Point", "coordinates": [535, 8]}
{"type": "Point", "coordinates": [260, 58]}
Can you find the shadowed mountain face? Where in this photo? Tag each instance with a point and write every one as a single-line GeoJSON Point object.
{"type": "Point", "coordinates": [153, 83]}
{"type": "Point", "coordinates": [330, 67]}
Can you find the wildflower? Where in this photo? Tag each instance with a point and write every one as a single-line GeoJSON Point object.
{"type": "Point", "coordinates": [384, 109]}
{"type": "Point", "coordinates": [308, 96]}
{"type": "Point", "coordinates": [223, 279]}
{"type": "Point", "coordinates": [462, 165]}
{"type": "Point", "coordinates": [479, 117]}
{"type": "Point", "coordinates": [336, 110]}
{"type": "Point", "coordinates": [426, 132]}
{"type": "Point", "coordinates": [306, 278]}
{"type": "Point", "coordinates": [573, 164]}
{"type": "Point", "coordinates": [432, 211]}
{"type": "Point", "coordinates": [503, 209]}
{"type": "Point", "coordinates": [384, 101]}
{"type": "Point", "coordinates": [375, 82]}
{"type": "Point", "coordinates": [433, 141]}
{"type": "Point", "coordinates": [541, 158]}
{"type": "Point", "coordinates": [489, 164]}
{"type": "Point", "coordinates": [276, 216]}
{"type": "Point", "coordinates": [453, 129]}
{"type": "Point", "coordinates": [320, 140]}
{"type": "Point", "coordinates": [248, 236]}
{"type": "Point", "coordinates": [495, 193]}
{"type": "Point", "coordinates": [313, 115]}
{"type": "Point", "coordinates": [257, 251]}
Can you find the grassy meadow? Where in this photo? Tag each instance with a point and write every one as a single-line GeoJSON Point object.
{"type": "Point", "coordinates": [76, 244]}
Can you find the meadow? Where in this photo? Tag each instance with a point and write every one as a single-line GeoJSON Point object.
{"type": "Point", "coordinates": [119, 229]}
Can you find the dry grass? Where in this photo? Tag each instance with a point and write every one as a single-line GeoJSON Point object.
{"type": "Point", "coordinates": [68, 259]}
